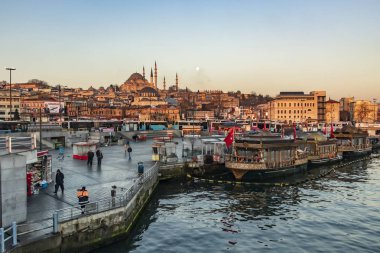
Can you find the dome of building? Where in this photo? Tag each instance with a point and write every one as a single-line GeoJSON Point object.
{"type": "Point", "coordinates": [135, 77]}
{"type": "Point", "coordinates": [148, 92]}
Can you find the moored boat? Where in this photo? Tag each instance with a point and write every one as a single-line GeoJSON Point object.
{"type": "Point", "coordinates": [375, 142]}
{"type": "Point", "coordinates": [321, 150]}
{"type": "Point", "coordinates": [353, 142]}
{"type": "Point", "coordinates": [263, 156]}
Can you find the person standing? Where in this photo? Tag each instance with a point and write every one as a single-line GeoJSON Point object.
{"type": "Point", "coordinates": [99, 156]}
{"type": "Point", "coordinates": [129, 152]}
{"type": "Point", "coordinates": [90, 158]}
{"type": "Point", "coordinates": [59, 181]}
{"type": "Point", "coordinates": [83, 198]}
{"type": "Point", "coordinates": [126, 146]}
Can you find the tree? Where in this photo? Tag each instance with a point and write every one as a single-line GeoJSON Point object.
{"type": "Point", "coordinates": [38, 81]}
{"type": "Point", "coordinates": [16, 115]}
{"type": "Point", "coordinates": [364, 111]}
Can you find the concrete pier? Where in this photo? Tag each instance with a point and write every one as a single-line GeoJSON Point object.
{"type": "Point", "coordinates": [83, 233]}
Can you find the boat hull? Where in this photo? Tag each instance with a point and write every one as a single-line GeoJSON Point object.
{"type": "Point", "coordinates": [256, 172]}
{"type": "Point", "coordinates": [356, 153]}
{"type": "Point", "coordinates": [324, 161]}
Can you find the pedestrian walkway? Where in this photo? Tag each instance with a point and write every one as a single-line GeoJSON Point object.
{"type": "Point", "coordinates": [116, 169]}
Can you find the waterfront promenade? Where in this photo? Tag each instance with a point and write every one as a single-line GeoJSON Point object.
{"type": "Point", "coordinates": [116, 169]}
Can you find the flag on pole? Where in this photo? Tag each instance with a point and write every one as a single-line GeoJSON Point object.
{"type": "Point", "coordinates": [294, 131]}
{"type": "Point", "coordinates": [230, 137]}
{"type": "Point", "coordinates": [332, 132]}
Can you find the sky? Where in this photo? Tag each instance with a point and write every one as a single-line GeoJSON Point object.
{"type": "Point", "coordinates": [252, 46]}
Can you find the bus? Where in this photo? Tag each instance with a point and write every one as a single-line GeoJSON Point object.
{"type": "Point", "coordinates": [13, 126]}
{"type": "Point", "coordinates": [155, 125]}
{"type": "Point", "coordinates": [88, 125]}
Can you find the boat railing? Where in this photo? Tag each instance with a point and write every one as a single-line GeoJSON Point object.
{"type": "Point", "coordinates": [361, 146]}
{"type": "Point", "coordinates": [280, 164]}
{"type": "Point", "coordinates": [244, 159]}
{"type": "Point", "coordinates": [302, 156]}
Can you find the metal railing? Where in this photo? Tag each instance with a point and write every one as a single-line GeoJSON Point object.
{"type": "Point", "coordinates": [4, 237]}
{"type": "Point", "coordinates": [17, 144]}
{"type": "Point", "coordinates": [106, 204]}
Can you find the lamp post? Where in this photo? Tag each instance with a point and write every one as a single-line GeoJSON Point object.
{"type": "Point", "coordinates": [10, 91]}
{"type": "Point", "coordinates": [302, 111]}
{"type": "Point", "coordinates": [374, 110]}
{"type": "Point", "coordinates": [59, 101]}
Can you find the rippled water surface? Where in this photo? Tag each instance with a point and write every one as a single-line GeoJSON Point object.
{"type": "Point", "coordinates": [337, 213]}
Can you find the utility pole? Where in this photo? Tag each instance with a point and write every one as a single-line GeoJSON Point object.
{"type": "Point", "coordinates": [59, 101]}
{"type": "Point", "coordinates": [40, 129]}
{"type": "Point", "coordinates": [374, 110]}
{"type": "Point", "coordinates": [10, 91]}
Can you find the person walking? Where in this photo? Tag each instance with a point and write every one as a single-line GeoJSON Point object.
{"type": "Point", "coordinates": [99, 156]}
{"type": "Point", "coordinates": [83, 197]}
{"type": "Point", "coordinates": [59, 181]}
{"type": "Point", "coordinates": [126, 146]}
{"type": "Point", "coordinates": [90, 158]}
{"type": "Point", "coordinates": [129, 152]}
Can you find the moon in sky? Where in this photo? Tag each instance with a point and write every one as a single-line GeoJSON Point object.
{"type": "Point", "coordinates": [197, 68]}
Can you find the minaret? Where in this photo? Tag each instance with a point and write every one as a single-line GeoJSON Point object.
{"type": "Point", "coordinates": [144, 72]}
{"type": "Point", "coordinates": [164, 83]}
{"type": "Point", "coordinates": [155, 74]}
{"type": "Point", "coordinates": [176, 81]}
{"type": "Point", "coordinates": [151, 76]}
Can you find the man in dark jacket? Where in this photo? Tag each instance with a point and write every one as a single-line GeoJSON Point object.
{"type": "Point", "coordinates": [99, 155]}
{"type": "Point", "coordinates": [90, 156]}
{"type": "Point", "coordinates": [59, 181]}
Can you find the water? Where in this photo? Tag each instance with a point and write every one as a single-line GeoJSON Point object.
{"type": "Point", "coordinates": [337, 213]}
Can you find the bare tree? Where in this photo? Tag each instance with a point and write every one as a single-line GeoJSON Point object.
{"type": "Point", "coordinates": [364, 111]}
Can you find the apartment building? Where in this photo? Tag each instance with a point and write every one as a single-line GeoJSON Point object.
{"type": "Point", "coordinates": [291, 107]}
{"type": "Point", "coordinates": [5, 104]}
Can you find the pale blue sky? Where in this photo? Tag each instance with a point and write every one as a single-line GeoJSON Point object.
{"type": "Point", "coordinates": [262, 46]}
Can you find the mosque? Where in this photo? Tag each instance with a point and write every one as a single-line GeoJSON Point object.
{"type": "Point", "coordinates": [145, 92]}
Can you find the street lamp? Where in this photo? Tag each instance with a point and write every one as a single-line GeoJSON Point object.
{"type": "Point", "coordinates": [10, 91]}
{"type": "Point", "coordinates": [374, 110]}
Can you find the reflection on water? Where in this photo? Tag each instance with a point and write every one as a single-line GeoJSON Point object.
{"type": "Point", "coordinates": [337, 213]}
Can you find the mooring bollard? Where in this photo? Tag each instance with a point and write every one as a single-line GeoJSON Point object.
{"type": "Point", "coordinates": [55, 222]}
{"type": "Point", "coordinates": [140, 167]}
{"type": "Point", "coordinates": [14, 233]}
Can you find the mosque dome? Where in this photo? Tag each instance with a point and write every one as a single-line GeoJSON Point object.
{"type": "Point", "coordinates": [135, 77]}
{"type": "Point", "coordinates": [148, 92]}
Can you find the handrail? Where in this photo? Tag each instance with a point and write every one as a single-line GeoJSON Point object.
{"type": "Point", "coordinates": [17, 144]}
{"type": "Point", "coordinates": [108, 203]}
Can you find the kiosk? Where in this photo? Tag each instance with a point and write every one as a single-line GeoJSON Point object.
{"type": "Point", "coordinates": [80, 149]}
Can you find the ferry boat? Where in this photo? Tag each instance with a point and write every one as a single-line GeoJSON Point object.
{"type": "Point", "coordinates": [375, 142]}
{"type": "Point", "coordinates": [265, 155]}
{"type": "Point", "coordinates": [353, 142]}
{"type": "Point", "coordinates": [321, 150]}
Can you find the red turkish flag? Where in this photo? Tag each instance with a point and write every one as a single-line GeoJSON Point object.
{"type": "Point", "coordinates": [229, 138]}
{"type": "Point", "coordinates": [332, 132]}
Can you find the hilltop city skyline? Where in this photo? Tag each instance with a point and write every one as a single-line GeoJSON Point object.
{"type": "Point", "coordinates": [265, 47]}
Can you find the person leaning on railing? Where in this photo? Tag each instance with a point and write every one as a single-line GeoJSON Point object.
{"type": "Point", "coordinates": [83, 197]}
